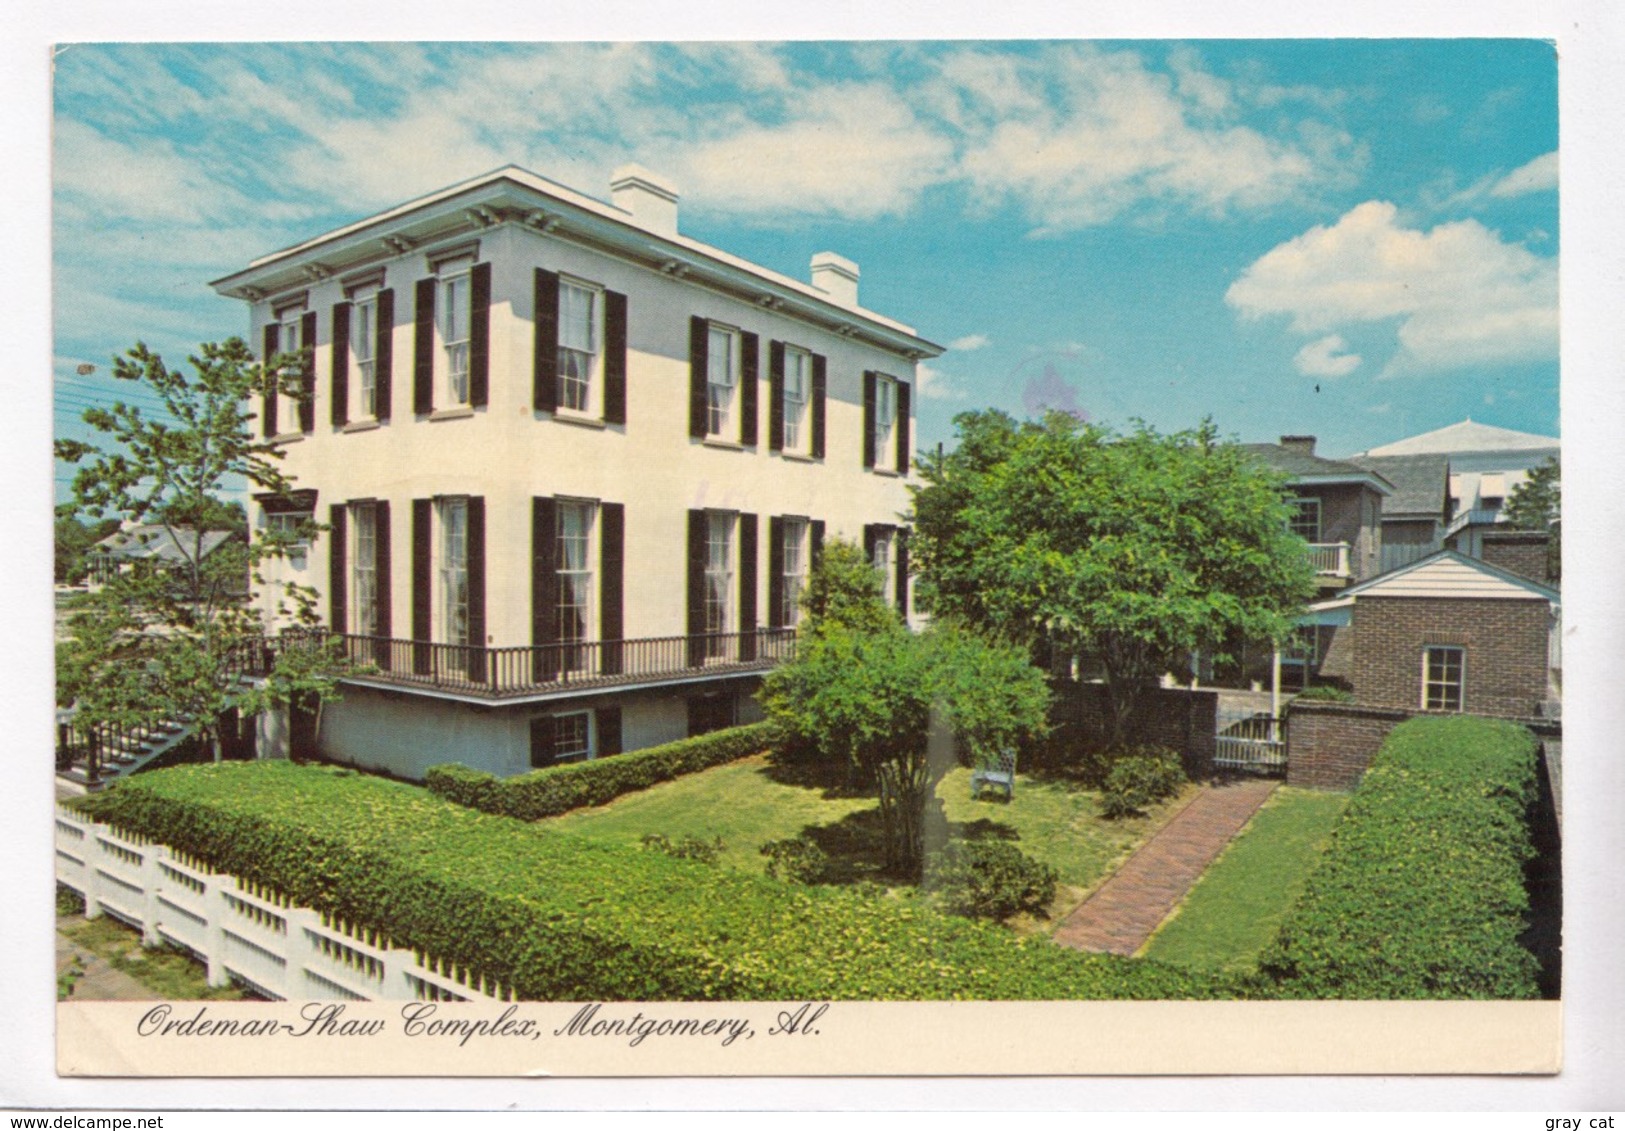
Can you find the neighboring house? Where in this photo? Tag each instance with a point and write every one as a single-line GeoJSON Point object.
{"type": "Point", "coordinates": [1486, 464]}
{"type": "Point", "coordinates": [1338, 509]}
{"type": "Point", "coordinates": [1447, 633]}
{"type": "Point", "coordinates": [169, 547]}
{"type": "Point", "coordinates": [576, 466]}
{"type": "Point", "coordinates": [1414, 517]}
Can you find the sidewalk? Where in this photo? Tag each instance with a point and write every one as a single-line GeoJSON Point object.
{"type": "Point", "coordinates": [1122, 913]}
{"type": "Point", "coordinates": [99, 982]}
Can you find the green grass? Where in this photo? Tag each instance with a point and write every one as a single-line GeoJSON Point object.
{"type": "Point", "coordinates": [171, 974]}
{"type": "Point", "coordinates": [756, 800]}
{"type": "Point", "coordinates": [1241, 900]}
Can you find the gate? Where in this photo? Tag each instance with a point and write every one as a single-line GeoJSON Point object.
{"type": "Point", "coordinates": [1250, 740]}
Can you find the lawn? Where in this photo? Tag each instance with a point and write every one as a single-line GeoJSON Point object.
{"type": "Point", "coordinates": [171, 974]}
{"type": "Point", "coordinates": [755, 800]}
{"type": "Point", "coordinates": [1236, 907]}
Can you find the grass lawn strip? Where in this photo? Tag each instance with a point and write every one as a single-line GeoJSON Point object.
{"type": "Point", "coordinates": [171, 974]}
{"type": "Point", "coordinates": [1234, 910]}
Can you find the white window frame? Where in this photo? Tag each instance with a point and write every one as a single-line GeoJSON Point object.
{"type": "Point", "coordinates": [589, 729]}
{"type": "Point", "coordinates": [1444, 685]}
{"type": "Point", "coordinates": [587, 370]}
{"type": "Point", "coordinates": [363, 392]}
{"type": "Point", "coordinates": [885, 421]}
{"type": "Point", "coordinates": [1303, 505]}
{"type": "Point", "coordinates": [881, 559]}
{"type": "Point", "coordinates": [290, 320]}
{"type": "Point", "coordinates": [571, 659]}
{"type": "Point", "coordinates": [721, 381]}
{"type": "Point", "coordinates": [363, 604]}
{"type": "Point", "coordinates": [451, 570]}
{"type": "Point", "coordinates": [454, 299]}
{"type": "Point", "coordinates": [721, 580]}
{"type": "Point", "coordinates": [793, 574]}
{"type": "Point", "coordinates": [797, 433]}
{"type": "Point", "coordinates": [291, 521]}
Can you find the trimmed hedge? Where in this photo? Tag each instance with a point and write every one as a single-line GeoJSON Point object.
{"type": "Point", "coordinates": [1420, 892]}
{"type": "Point", "coordinates": [558, 918]}
{"type": "Point", "coordinates": [558, 789]}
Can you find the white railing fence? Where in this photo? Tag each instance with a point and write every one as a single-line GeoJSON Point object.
{"type": "Point", "coordinates": [243, 932]}
{"type": "Point", "coordinates": [1250, 741]}
{"type": "Point", "coordinates": [1330, 559]}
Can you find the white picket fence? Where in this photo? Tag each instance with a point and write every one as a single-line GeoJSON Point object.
{"type": "Point", "coordinates": [241, 931]}
{"type": "Point", "coordinates": [1250, 740]}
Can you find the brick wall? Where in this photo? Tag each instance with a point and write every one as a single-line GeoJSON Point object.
{"type": "Point", "coordinates": [1522, 552]}
{"type": "Point", "coordinates": [1179, 719]}
{"type": "Point", "coordinates": [1504, 643]}
{"type": "Point", "coordinates": [1329, 745]}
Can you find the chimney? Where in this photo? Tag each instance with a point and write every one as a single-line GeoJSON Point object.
{"type": "Point", "coordinates": [836, 277]}
{"type": "Point", "coordinates": [1302, 444]}
{"type": "Point", "coordinates": [649, 197]}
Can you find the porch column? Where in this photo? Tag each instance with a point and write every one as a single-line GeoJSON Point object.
{"type": "Point", "coordinates": [1275, 682]}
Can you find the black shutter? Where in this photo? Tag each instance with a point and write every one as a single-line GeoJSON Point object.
{"type": "Point", "coordinates": [818, 385]}
{"type": "Point", "coordinates": [775, 572]}
{"type": "Point", "coordinates": [696, 588]}
{"type": "Point", "coordinates": [381, 582]}
{"type": "Point", "coordinates": [476, 588]}
{"type": "Point", "coordinates": [307, 372]}
{"type": "Point", "coordinates": [609, 731]}
{"type": "Point", "coordinates": [544, 391]}
{"type": "Point", "coordinates": [337, 613]}
{"type": "Point", "coordinates": [341, 364]}
{"type": "Point", "coordinates": [383, 364]}
{"type": "Point", "coordinates": [273, 335]}
{"type": "Point", "coordinates": [775, 396]}
{"type": "Point", "coordinates": [750, 349]}
{"type": "Point", "coordinates": [815, 549]}
{"type": "Point", "coordinates": [423, 350]}
{"type": "Point", "coordinates": [614, 358]}
{"type": "Point", "coordinates": [868, 418]}
{"type": "Point", "coordinates": [747, 587]}
{"type": "Point", "coordinates": [542, 741]}
{"type": "Point", "coordinates": [698, 328]}
{"type": "Point", "coordinates": [611, 585]}
{"type": "Point", "coordinates": [869, 542]}
{"type": "Point", "coordinates": [422, 540]}
{"type": "Point", "coordinates": [479, 335]}
{"type": "Point", "coordinates": [901, 549]}
{"type": "Point", "coordinates": [905, 455]}
{"type": "Point", "coordinates": [544, 588]}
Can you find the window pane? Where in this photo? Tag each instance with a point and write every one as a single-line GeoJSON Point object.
{"type": "Point", "coordinates": [577, 323]}
{"type": "Point", "coordinates": [454, 570]}
{"type": "Point", "coordinates": [575, 580]}
{"type": "Point", "coordinates": [720, 361]}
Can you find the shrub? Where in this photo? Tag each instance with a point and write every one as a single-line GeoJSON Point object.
{"type": "Point", "coordinates": [991, 879]}
{"type": "Point", "coordinates": [796, 859]}
{"type": "Point", "coordinates": [689, 848]}
{"type": "Point", "coordinates": [1139, 777]}
{"type": "Point", "coordinates": [557, 918]}
{"type": "Point", "coordinates": [558, 789]}
{"type": "Point", "coordinates": [1420, 892]}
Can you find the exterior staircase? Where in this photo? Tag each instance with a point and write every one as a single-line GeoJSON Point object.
{"type": "Point", "coordinates": [88, 759]}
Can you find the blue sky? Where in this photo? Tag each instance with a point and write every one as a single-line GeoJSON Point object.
{"type": "Point", "coordinates": [1352, 238]}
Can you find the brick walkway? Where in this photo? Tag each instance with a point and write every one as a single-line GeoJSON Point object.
{"type": "Point", "coordinates": [1123, 911]}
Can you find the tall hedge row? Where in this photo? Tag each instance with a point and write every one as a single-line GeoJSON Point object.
{"type": "Point", "coordinates": [1420, 893]}
{"type": "Point", "coordinates": [553, 790]}
{"type": "Point", "coordinates": [557, 918]}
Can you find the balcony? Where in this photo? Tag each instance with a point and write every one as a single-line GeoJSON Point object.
{"type": "Point", "coordinates": [1330, 560]}
{"type": "Point", "coordinates": [521, 672]}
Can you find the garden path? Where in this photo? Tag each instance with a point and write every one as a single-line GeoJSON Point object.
{"type": "Point", "coordinates": [97, 980]}
{"type": "Point", "coordinates": [1122, 913]}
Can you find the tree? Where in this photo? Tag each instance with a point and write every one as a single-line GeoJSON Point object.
{"type": "Point", "coordinates": [73, 539]}
{"type": "Point", "coordinates": [846, 589]}
{"type": "Point", "coordinates": [1137, 548]}
{"type": "Point", "coordinates": [1537, 504]}
{"type": "Point", "coordinates": [171, 639]}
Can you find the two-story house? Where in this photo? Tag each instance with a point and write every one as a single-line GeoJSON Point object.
{"type": "Point", "coordinates": [575, 466]}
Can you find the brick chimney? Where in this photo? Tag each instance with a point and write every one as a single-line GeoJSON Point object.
{"type": "Point", "coordinates": [649, 197]}
{"type": "Point", "coordinates": [836, 277]}
{"type": "Point", "coordinates": [1304, 445]}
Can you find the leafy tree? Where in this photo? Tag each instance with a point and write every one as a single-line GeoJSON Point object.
{"type": "Point", "coordinates": [73, 539]}
{"type": "Point", "coordinates": [1136, 547]}
{"type": "Point", "coordinates": [847, 590]}
{"type": "Point", "coordinates": [1537, 504]}
{"type": "Point", "coordinates": [170, 639]}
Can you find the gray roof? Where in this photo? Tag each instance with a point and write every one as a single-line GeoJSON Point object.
{"type": "Point", "coordinates": [154, 541]}
{"type": "Point", "coordinates": [1467, 436]}
{"type": "Point", "coordinates": [1421, 483]}
{"type": "Point", "coordinates": [1301, 465]}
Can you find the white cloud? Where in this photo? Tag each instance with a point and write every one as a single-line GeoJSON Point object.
{"type": "Point", "coordinates": [1459, 294]}
{"type": "Point", "coordinates": [1326, 357]}
{"type": "Point", "coordinates": [932, 384]}
{"type": "Point", "coordinates": [969, 342]}
{"type": "Point", "coordinates": [1538, 175]}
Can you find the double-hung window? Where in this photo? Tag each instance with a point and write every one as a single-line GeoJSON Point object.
{"type": "Point", "coordinates": [363, 350]}
{"type": "Point", "coordinates": [1443, 670]}
{"type": "Point", "coordinates": [581, 321]}
{"type": "Point", "coordinates": [881, 559]}
{"type": "Point", "coordinates": [719, 581]}
{"type": "Point", "coordinates": [452, 605]}
{"type": "Point", "coordinates": [793, 572]}
{"type": "Point", "coordinates": [364, 569]}
{"type": "Point", "coordinates": [454, 314]}
{"type": "Point", "coordinates": [575, 577]}
{"type": "Point", "coordinates": [885, 417]}
{"type": "Point", "coordinates": [561, 738]}
{"type": "Point", "coordinates": [721, 380]}
{"type": "Point", "coordinates": [1304, 521]}
{"type": "Point", "coordinates": [290, 341]}
{"type": "Point", "coordinates": [797, 393]}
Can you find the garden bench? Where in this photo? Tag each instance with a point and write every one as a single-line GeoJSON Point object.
{"type": "Point", "coordinates": [1000, 775]}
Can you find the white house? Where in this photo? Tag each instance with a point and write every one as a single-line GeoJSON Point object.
{"type": "Point", "coordinates": [576, 465]}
